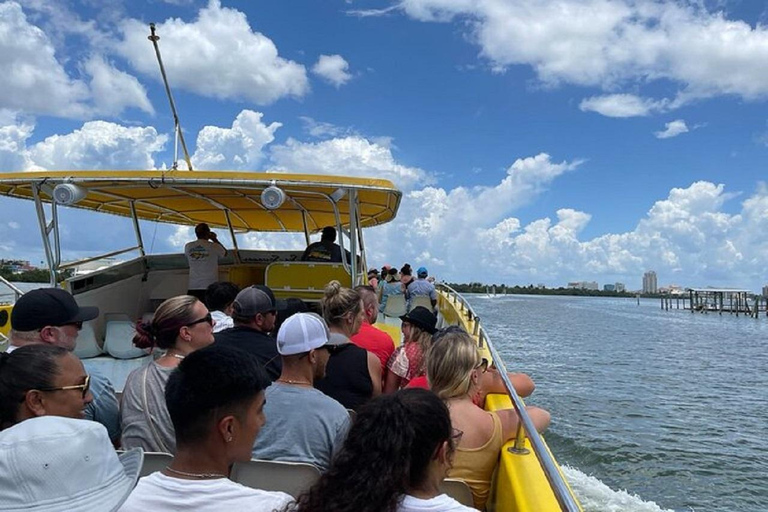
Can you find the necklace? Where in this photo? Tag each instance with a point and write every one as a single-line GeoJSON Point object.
{"type": "Point", "coordinates": [177, 356]}
{"type": "Point", "coordinates": [195, 475]}
{"type": "Point", "coordinates": [295, 382]}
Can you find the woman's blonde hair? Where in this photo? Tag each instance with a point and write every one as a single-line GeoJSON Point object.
{"type": "Point", "coordinates": [450, 363]}
{"type": "Point", "coordinates": [420, 336]}
{"type": "Point", "coordinates": [338, 301]}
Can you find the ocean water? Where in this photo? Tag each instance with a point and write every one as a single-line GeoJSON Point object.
{"type": "Point", "coordinates": [652, 410]}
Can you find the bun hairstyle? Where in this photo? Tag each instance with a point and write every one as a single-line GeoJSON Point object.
{"type": "Point", "coordinates": [27, 367]}
{"type": "Point", "coordinates": [386, 454]}
{"type": "Point", "coordinates": [338, 301]}
{"type": "Point", "coordinates": [406, 270]}
{"type": "Point", "coordinates": [163, 329]}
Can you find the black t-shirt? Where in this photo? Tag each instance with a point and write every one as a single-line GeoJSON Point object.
{"type": "Point", "coordinates": [260, 344]}
{"type": "Point", "coordinates": [324, 251]}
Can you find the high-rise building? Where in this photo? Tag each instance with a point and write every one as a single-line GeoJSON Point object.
{"type": "Point", "coordinates": [609, 288]}
{"type": "Point", "coordinates": [620, 287]}
{"type": "Point", "coordinates": [649, 282]}
{"type": "Point", "coordinates": [765, 291]}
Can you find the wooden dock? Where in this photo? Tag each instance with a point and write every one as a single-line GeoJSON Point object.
{"type": "Point", "coordinates": [718, 300]}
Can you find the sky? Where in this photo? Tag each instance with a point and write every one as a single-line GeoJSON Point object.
{"type": "Point", "coordinates": [534, 141]}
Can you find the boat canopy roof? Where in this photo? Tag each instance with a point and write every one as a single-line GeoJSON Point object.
{"type": "Point", "coordinates": [191, 197]}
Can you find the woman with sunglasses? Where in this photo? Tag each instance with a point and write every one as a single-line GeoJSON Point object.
{"type": "Point", "coordinates": [180, 326]}
{"type": "Point", "coordinates": [455, 370]}
{"type": "Point", "coordinates": [41, 380]}
{"type": "Point", "coordinates": [394, 458]}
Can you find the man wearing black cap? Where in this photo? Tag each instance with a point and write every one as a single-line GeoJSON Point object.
{"type": "Point", "coordinates": [326, 250]}
{"type": "Point", "coordinates": [254, 312]}
{"type": "Point", "coordinates": [51, 315]}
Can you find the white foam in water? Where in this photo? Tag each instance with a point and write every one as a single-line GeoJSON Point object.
{"type": "Point", "coordinates": [595, 496]}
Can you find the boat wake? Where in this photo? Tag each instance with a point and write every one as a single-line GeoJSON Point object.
{"type": "Point", "coordinates": [595, 496]}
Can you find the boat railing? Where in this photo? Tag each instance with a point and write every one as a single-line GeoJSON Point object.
{"type": "Point", "coordinates": [525, 426]}
{"type": "Point", "coordinates": [15, 289]}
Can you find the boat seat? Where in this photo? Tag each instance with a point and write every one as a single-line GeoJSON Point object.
{"type": "Point", "coordinates": [458, 490]}
{"type": "Point", "coordinates": [303, 279]}
{"type": "Point", "coordinates": [118, 337]}
{"type": "Point", "coordinates": [271, 475]}
{"type": "Point", "coordinates": [87, 345]}
{"type": "Point", "coordinates": [395, 306]}
{"type": "Point", "coordinates": [421, 300]}
{"type": "Point", "coordinates": [153, 461]}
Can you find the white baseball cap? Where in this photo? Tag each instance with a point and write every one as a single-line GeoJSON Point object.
{"type": "Point", "coordinates": [301, 333]}
{"type": "Point", "coordinates": [51, 463]}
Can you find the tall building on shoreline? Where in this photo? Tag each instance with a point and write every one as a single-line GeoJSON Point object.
{"type": "Point", "coordinates": [649, 282]}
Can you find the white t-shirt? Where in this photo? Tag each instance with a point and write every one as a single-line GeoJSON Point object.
{"type": "Point", "coordinates": [158, 492]}
{"type": "Point", "coordinates": [222, 321]}
{"type": "Point", "coordinates": [442, 503]}
{"type": "Point", "coordinates": [203, 258]}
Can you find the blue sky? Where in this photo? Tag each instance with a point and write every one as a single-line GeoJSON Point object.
{"type": "Point", "coordinates": [534, 141]}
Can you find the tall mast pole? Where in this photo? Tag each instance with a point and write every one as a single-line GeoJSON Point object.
{"type": "Point", "coordinates": [177, 125]}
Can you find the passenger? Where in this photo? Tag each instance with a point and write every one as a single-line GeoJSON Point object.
{"type": "Point", "coordinates": [397, 453]}
{"type": "Point", "coordinates": [219, 297]}
{"type": "Point", "coordinates": [216, 401]}
{"type": "Point", "coordinates": [203, 258]}
{"type": "Point", "coordinates": [51, 463]}
{"type": "Point", "coordinates": [42, 380]}
{"type": "Point", "coordinates": [51, 316]}
{"type": "Point", "coordinates": [373, 278]}
{"type": "Point", "coordinates": [490, 380]}
{"type": "Point", "coordinates": [180, 326]}
{"type": "Point", "coordinates": [353, 375]}
{"type": "Point", "coordinates": [254, 314]}
{"type": "Point", "coordinates": [370, 338]}
{"type": "Point", "coordinates": [454, 370]}
{"type": "Point", "coordinates": [407, 361]}
{"type": "Point", "coordinates": [391, 286]}
{"type": "Point", "coordinates": [422, 286]}
{"type": "Point", "coordinates": [406, 276]}
{"type": "Point", "coordinates": [292, 306]}
{"type": "Point", "coordinates": [305, 425]}
{"type": "Point", "coordinates": [326, 250]}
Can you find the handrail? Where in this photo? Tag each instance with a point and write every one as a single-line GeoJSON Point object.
{"type": "Point", "coordinates": [15, 289]}
{"type": "Point", "coordinates": [548, 465]}
{"type": "Point", "coordinates": [100, 257]}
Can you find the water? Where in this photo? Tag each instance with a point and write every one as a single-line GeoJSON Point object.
{"type": "Point", "coordinates": [652, 410]}
{"type": "Point", "coordinates": [7, 295]}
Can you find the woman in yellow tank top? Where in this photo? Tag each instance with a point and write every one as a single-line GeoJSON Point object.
{"type": "Point", "coordinates": [457, 374]}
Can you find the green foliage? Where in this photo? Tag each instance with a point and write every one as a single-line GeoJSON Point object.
{"type": "Point", "coordinates": [37, 275]}
{"type": "Point", "coordinates": [502, 289]}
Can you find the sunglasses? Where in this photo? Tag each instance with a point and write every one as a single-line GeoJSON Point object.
{"type": "Point", "coordinates": [483, 366]}
{"type": "Point", "coordinates": [332, 349]}
{"type": "Point", "coordinates": [207, 319]}
{"type": "Point", "coordinates": [83, 387]}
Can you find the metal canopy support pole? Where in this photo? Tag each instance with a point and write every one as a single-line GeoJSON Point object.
{"type": "Point", "coordinates": [353, 234]}
{"type": "Point", "coordinates": [136, 228]}
{"type": "Point", "coordinates": [306, 228]}
{"type": "Point", "coordinates": [234, 238]}
{"type": "Point", "coordinates": [363, 255]}
{"type": "Point", "coordinates": [340, 238]}
{"type": "Point", "coordinates": [44, 232]}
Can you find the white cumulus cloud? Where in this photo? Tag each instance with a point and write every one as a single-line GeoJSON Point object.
{"type": "Point", "coordinates": [236, 148]}
{"type": "Point", "coordinates": [672, 129]}
{"type": "Point", "coordinates": [612, 44]}
{"type": "Point", "coordinates": [99, 145]}
{"type": "Point", "coordinates": [333, 69]}
{"type": "Point", "coordinates": [622, 105]}
{"type": "Point", "coordinates": [218, 55]}
{"type": "Point", "coordinates": [352, 156]}
{"type": "Point", "coordinates": [35, 81]}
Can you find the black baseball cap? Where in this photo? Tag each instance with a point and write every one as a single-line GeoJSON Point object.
{"type": "Point", "coordinates": [48, 306]}
{"type": "Point", "coordinates": [422, 318]}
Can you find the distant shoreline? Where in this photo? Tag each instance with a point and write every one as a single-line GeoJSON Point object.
{"type": "Point", "coordinates": [532, 290]}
